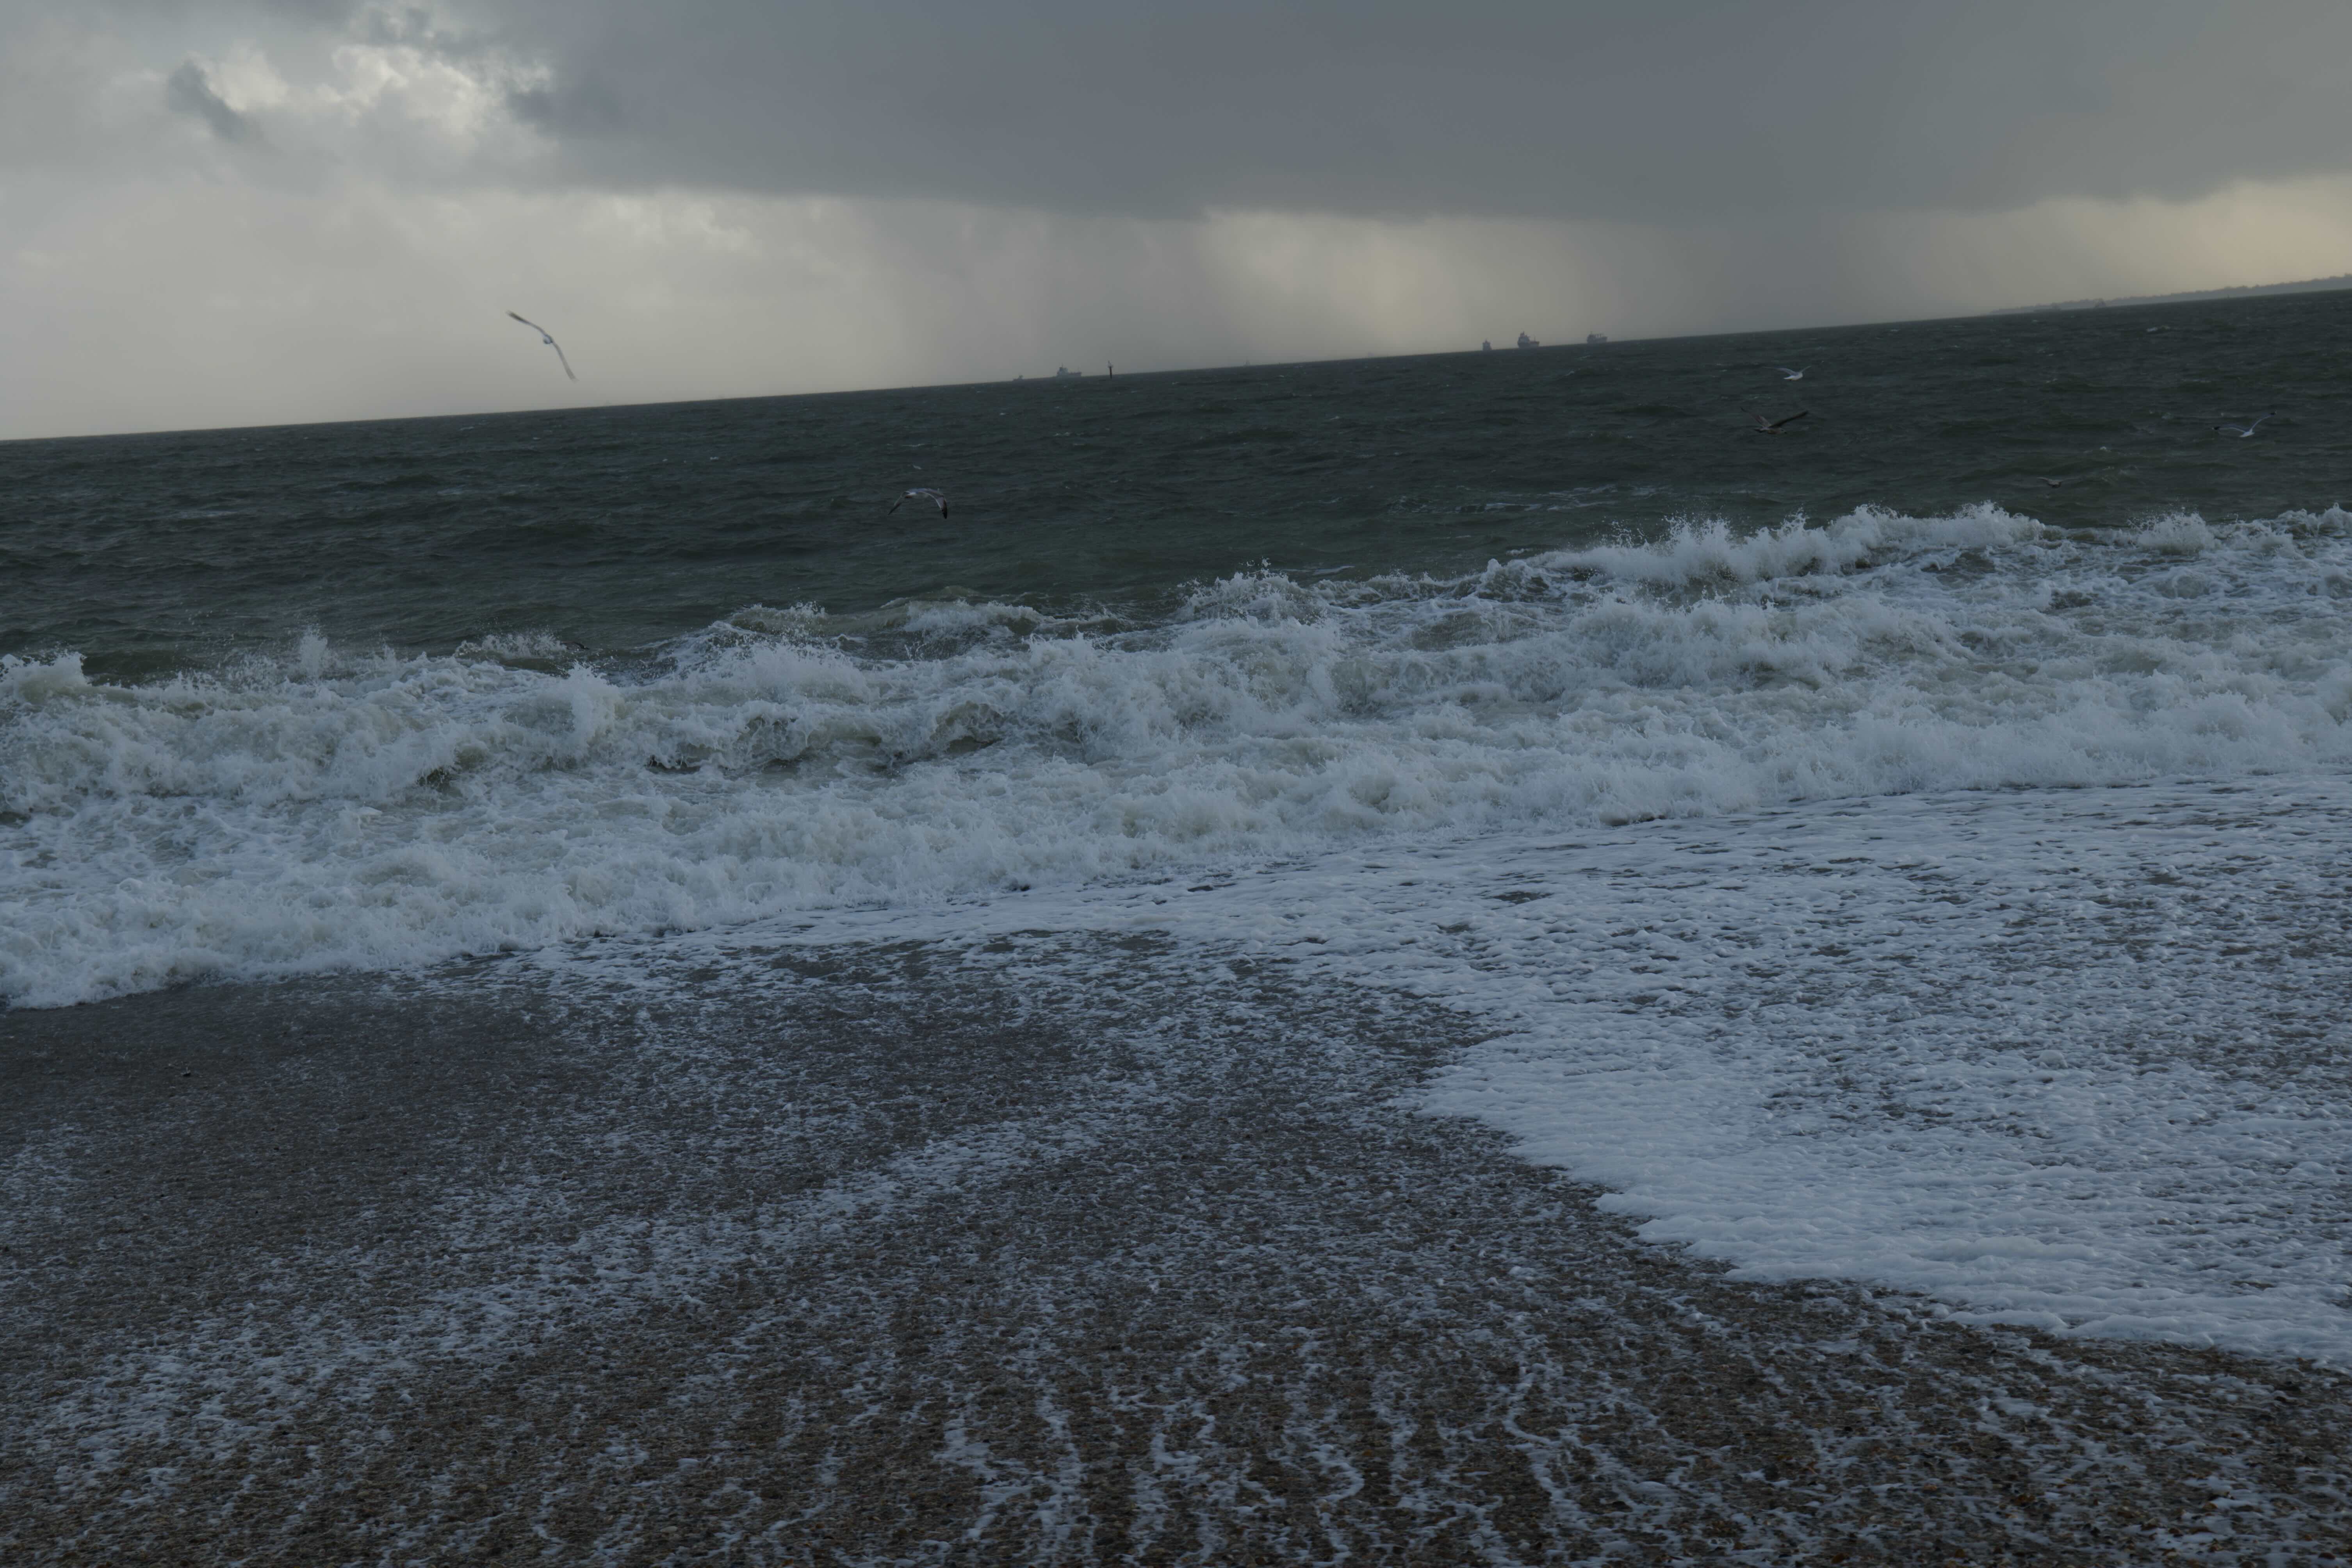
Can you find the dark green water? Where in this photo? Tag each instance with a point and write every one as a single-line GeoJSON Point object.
{"type": "Point", "coordinates": [616, 528]}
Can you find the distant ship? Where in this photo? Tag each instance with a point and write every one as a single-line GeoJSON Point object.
{"type": "Point", "coordinates": [1488, 347]}
{"type": "Point", "coordinates": [1596, 337]}
{"type": "Point", "coordinates": [1528, 343]}
{"type": "Point", "coordinates": [1064, 372]}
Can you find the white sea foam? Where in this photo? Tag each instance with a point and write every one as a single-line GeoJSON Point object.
{"type": "Point", "coordinates": [332, 809]}
{"type": "Point", "coordinates": [2075, 1059]}
{"type": "Point", "coordinates": [2067, 1057]}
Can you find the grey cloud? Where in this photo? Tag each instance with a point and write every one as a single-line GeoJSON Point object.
{"type": "Point", "coordinates": [443, 159]}
{"type": "Point", "coordinates": [188, 90]}
{"type": "Point", "coordinates": [582, 109]}
{"type": "Point", "coordinates": [1641, 109]}
{"type": "Point", "coordinates": [415, 28]}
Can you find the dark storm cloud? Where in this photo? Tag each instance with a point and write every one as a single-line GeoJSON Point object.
{"type": "Point", "coordinates": [1623, 109]}
{"type": "Point", "coordinates": [188, 90]}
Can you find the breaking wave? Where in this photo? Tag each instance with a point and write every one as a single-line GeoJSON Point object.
{"type": "Point", "coordinates": [334, 807]}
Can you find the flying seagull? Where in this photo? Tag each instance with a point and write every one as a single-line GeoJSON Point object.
{"type": "Point", "coordinates": [2242, 431]}
{"type": "Point", "coordinates": [937, 498]}
{"type": "Point", "coordinates": [1772, 426]}
{"type": "Point", "coordinates": [1788, 374]}
{"type": "Point", "coordinates": [2046, 479]}
{"type": "Point", "coordinates": [549, 338]}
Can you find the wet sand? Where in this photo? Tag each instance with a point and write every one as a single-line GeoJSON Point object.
{"type": "Point", "coordinates": [909, 1262]}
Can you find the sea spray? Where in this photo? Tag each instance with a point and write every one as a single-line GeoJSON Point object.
{"type": "Point", "coordinates": [339, 807]}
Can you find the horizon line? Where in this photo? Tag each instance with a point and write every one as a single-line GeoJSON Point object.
{"type": "Point", "coordinates": [2227, 294]}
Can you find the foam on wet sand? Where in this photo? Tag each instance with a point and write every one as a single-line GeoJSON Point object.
{"type": "Point", "coordinates": [903, 1253]}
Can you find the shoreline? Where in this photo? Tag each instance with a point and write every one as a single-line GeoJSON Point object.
{"type": "Point", "coordinates": [920, 1261]}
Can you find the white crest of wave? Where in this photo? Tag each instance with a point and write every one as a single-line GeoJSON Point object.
{"type": "Point", "coordinates": [1712, 550]}
{"type": "Point", "coordinates": [334, 809]}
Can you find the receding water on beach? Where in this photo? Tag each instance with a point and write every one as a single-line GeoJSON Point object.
{"type": "Point", "coordinates": [1905, 850]}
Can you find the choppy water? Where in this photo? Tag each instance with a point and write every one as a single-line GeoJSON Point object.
{"type": "Point", "coordinates": [378, 696]}
{"type": "Point", "coordinates": [619, 528]}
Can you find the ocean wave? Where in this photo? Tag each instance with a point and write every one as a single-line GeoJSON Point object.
{"type": "Point", "coordinates": [334, 807]}
{"type": "Point", "coordinates": [1712, 550]}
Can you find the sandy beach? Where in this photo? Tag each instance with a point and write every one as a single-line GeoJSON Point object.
{"type": "Point", "coordinates": [925, 1267]}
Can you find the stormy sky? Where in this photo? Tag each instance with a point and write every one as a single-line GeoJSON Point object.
{"type": "Point", "coordinates": [218, 213]}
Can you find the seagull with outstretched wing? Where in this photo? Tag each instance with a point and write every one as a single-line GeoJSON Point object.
{"type": "Point", "coordinates": [2241, 431]}
{"type": "Point", "coordinates": [1788, 374]}
{"type": "Point", "coordinates": [549, 338]}
{"type": "Point", "coordinates": [922, 492]}
{"type": "Point", "coordinates": [1774, 426]}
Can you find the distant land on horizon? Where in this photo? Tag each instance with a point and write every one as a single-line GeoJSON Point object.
{"type": "Point", "coordinates": [2234, 291]}
{"type": "Point", "coordinates": [2309, 285]}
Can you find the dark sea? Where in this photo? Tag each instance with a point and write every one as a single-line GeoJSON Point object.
{"type": "Point", "coordinates": [1769, 809]}
{"type": "Point", "coordinates": [618, 533]}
